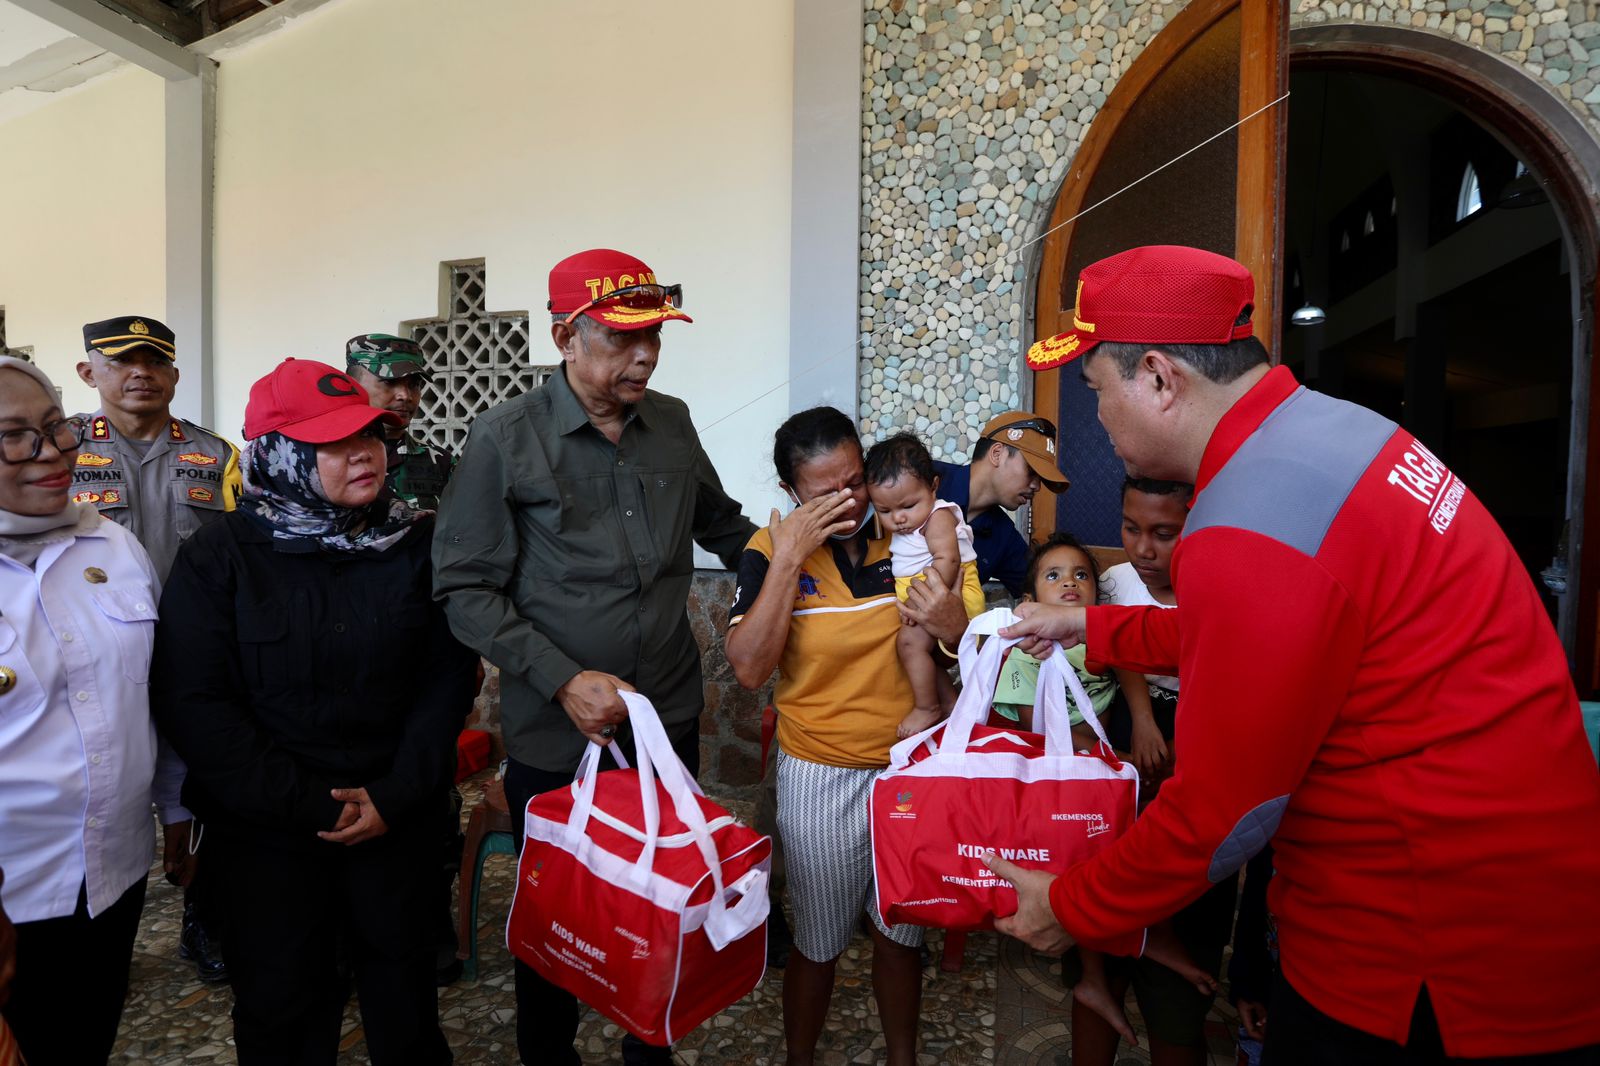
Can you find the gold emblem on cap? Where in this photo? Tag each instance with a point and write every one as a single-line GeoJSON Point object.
{"type": "Point", "coordinates": [629, 315]}
{"type": "Point", "coordinates": [1052, 350]}
{"type": "Point", "coordinates": [1078, 323]}
{"type": "Point", "coordinates": [8, 679]}
{"type": "Point", "coordinates": [95, 576]}
{"type": "Point", "coordinates": [138, 326]}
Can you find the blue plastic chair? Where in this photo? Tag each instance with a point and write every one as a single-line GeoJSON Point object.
{"type": "Point", "coordinates": [488, 833]}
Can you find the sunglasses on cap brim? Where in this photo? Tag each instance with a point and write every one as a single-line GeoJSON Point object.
{"type": "Point", "coordinates": [635, 298]}
{"type": "Point", "coordinates": [1038, 425]}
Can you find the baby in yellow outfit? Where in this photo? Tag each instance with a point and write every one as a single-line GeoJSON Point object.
{"type": "Point", "coordinates": [929, 534]}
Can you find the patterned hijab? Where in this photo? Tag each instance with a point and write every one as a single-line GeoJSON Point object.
{"type": "Point", "coordinates": [283, 492]}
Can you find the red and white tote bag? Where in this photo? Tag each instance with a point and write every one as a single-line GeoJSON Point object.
{"type": "Point", "coordinates": [962, 788]}
{"type": "Point", "coordinates": [640, 896]}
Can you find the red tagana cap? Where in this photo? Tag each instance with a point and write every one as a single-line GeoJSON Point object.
{"type": "Point", "coordinates": [311, 402]}
{"type": "Point", "coordinates": [1158, 294]}
{"type": "Point", "coordinates": [592, 275]}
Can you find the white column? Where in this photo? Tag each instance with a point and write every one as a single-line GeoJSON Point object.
{"type": "Point", "coordinates": [825, 226]}
{"type": "Point", "coordinates": [191, 127]}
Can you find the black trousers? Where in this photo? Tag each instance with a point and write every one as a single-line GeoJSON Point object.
{"type": "Point", "coordinates": [1299, 1034]}
{"type": "Point", "coordinates": [547, 1015]}
{"type": "Point", "coordinates": [72, 977]}
{"type": "Point", "coordinates": [285, 910]}
{"type": "Point", "coordinates": [200, 894]}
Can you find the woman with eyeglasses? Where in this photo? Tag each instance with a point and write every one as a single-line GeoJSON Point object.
{"type": "Point", "coordinates": [78, 753]}
{"type": "Point", "coordinates": [305, 674]}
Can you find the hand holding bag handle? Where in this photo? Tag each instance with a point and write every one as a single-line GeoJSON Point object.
{"type": "Point", "coordinates": [583, 786]}
{"type": "Point", "coordinates": [723, 924]}
{"type": "Point", "coordinates": [979, 668]}
{"type": "Point", "coordinates": [656, 759]}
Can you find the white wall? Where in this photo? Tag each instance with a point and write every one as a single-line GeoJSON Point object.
{"type": "Point", "coordinates": [82, 218]}
{"type": "Point", "coordinates": [360, 147]}
{"type": "Point", "coordinates": [363, 144]}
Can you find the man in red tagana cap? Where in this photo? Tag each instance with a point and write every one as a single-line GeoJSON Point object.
{"type": "Point", "coordinates": [564, 554]}
{"type": "Point", "coordinates": [1370, 682]}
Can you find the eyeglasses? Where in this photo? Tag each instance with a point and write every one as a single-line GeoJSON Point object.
{"type": "Point", "coordinates": [635, 297]}
{"type": "Point", "coordinates": [1040, 425]}
{"type": "Point", "coordinates": [24, 445]}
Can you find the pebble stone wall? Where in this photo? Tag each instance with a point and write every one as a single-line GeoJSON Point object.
{"type": "Point", "coordinates": [972, 111]}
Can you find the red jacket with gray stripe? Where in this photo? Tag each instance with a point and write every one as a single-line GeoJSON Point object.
{"type": "Point", "coordinates": [1370, 681]}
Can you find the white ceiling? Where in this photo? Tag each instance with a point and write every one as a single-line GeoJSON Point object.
{"type": "Point", "coordinates": [38, 60]}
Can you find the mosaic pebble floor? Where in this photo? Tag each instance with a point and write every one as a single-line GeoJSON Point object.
{"type": "Point", "coordinates": [1006, 1006]}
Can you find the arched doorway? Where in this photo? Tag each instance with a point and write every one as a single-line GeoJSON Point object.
{"type": "Point", "coordinates": [1417, 338]}
{"type": "Point", "coordinates": [1498, 163]}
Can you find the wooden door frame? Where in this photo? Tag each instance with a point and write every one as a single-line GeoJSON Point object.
{"type": "Point", "coordinates": [1541, 128]}
{"type": "Point", "coordinates": [1263, 34]}
{"type": "Point", "coordinates": [1537, 124]}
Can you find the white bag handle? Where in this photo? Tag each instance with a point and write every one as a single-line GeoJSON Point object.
{"type": "Point", "coordinates": [980, 668]}
{"type": "Point", "coordinates": [656, 759]}
{"type": "Point", "coordinates": [583, 786]}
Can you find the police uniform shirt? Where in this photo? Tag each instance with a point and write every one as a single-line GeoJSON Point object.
{"type": "Point", "coordinates": [161, 490]}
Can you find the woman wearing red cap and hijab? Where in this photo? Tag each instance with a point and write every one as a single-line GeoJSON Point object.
{"type": "Point", "coordinates": [305, 675]}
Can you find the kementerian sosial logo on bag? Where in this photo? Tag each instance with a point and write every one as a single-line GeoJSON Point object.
{"type": "Point", "coordinates": [1094, 822]}
{"type": "Point", "coordinates": [641, 945]}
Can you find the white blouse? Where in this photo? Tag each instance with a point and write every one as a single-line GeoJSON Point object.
{"type": "Point", "coordinates": [78, 751]}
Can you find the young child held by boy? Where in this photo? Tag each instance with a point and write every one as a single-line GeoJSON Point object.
{"type": "Point", "coordinates": [929, 534]}
{"type": "Point", "coordinates": [1153, 514]}
{"type": "Point", "coordinates": [1061, 570]}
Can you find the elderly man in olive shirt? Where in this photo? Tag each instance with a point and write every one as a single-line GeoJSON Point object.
{"type": "Point", "coordinates": [563, 555]}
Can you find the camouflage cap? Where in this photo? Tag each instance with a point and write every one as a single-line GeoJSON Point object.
{"type": "Point", "coordinates": [386, 356]}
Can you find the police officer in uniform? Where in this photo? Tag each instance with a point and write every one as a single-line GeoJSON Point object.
{"type": "Point", "coordinates": [161, 478]}
{"type": "Point", "coordinates": [393, 370]}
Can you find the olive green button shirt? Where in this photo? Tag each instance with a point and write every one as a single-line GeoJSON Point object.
{"type": "Point", "coordinates": [557, 551]}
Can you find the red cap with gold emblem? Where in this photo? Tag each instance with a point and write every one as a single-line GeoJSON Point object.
{"type": "Point", "coordinates": [311, 402]}
{"type": "Point", "coordinates": [614, 289]}
{"type": "Point", "coordinates": [1158, 294]}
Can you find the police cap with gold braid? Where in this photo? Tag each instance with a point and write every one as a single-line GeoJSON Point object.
{"type": "Point", "coordinates": [117, 335]}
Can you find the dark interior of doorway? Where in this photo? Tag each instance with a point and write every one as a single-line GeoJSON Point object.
{"type": "Point", "coordinates": [1444, 277]}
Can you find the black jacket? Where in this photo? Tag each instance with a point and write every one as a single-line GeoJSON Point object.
{"type": "Point", "coordinates": [281, 675]}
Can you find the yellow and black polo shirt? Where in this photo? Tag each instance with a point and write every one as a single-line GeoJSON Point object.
{"type": "Point", "coordinates": [841, 689]}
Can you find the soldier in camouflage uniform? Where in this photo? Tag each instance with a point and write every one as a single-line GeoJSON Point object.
{"type": "Point", "coordinates": [393, 370]}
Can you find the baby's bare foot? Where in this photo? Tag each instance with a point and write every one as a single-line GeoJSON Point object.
{"type": "Point", "coordinates": [1097, 997]}
{"type": "Point", "coordinates": [1162, 945]}
{"type": "Point", "coordinates": [919, 719]}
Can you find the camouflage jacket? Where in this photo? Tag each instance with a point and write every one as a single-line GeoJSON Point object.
{"type": "Point", "coordinates": [417, 471]}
